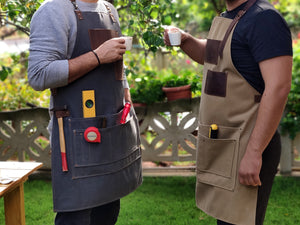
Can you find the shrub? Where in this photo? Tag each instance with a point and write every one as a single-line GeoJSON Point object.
{"type": "Point", "coordinates": [146, 89]}
{"type": "Point", "coordinates": [15, 92]}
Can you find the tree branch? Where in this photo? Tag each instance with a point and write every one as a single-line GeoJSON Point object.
{"type": "Point", "coordinates": [8, 34]}
{"type": "Point", "coordinates": [25, 30]}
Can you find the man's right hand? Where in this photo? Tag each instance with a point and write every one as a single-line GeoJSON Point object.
{"type": "Point", "coordinates": [184, 35]}
{"type": "Point", "coordinates": [111, 51]}
{"type": "Point", "coordinates": [193, 47]}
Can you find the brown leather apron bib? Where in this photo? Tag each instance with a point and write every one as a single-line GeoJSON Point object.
{"type": "Point", "coordinates": [229, 101]}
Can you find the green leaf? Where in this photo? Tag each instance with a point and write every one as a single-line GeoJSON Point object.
{"type": "Point", "coordinates": [4, 72]}
{"type": "Point", "coordinates": [167, 20]}
{"type": "Point", "coordinates": [154, 14]}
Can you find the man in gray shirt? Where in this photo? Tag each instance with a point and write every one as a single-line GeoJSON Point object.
{"type": "Point", "coordinates": [52, 42]}
{"type": "Point", "coordinates": [89, 175]}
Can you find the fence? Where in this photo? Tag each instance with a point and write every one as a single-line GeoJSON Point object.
{"type": "Point", "coordinates": [168, 133]}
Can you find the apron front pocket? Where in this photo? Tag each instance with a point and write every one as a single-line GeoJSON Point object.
{"type": "Point", "coordinates": [217, 158]}
{"type": "Point", "coordinates": [118, 148]}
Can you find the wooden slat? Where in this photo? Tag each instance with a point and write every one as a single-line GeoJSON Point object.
{"type": "Point", "coordinates": [14, 206]}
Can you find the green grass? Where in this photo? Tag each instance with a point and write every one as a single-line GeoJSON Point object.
{"type": "Point", "coordinates": [165, 201]}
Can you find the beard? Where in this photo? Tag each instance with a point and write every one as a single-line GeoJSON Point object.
{"type": "Point", "coordinates": [231, 2]}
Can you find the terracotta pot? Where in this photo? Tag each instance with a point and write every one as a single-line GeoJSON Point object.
{"type": "Point", "coordinates": [174, 93]}
{"type": "Point", "coordinates": [137, 104]}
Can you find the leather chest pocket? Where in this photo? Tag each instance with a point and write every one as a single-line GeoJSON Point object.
{"type": "Point", "coordinates": [217, 158]}
{"type": "Point", "coordinates": [118, 148]}
{"type": "Point", "coordinates": [212, 51]}
{"type": "Point", "coordinates": [216, 83]}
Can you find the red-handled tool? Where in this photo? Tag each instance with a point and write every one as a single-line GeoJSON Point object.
{"type": "Point", "coordinates": [126, 110]}
{"type": "Point", "coordinates": [60, 113]}
{"type": "Point", "coordinates": [62, 144]}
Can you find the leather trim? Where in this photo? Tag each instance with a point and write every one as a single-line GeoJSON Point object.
{"type": "Point", "coordinates": [257, 98]}
{"type": "Point", "coordinates": [211, 52]}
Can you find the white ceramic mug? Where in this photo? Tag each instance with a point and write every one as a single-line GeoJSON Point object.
{"type": "Point", "coordinates": [175, 37]}
{"type": "Point", "coordinates": [128, 42]}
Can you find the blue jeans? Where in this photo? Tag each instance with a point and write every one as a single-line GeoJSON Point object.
{"type": "Point", "coordinates": [101, 215]}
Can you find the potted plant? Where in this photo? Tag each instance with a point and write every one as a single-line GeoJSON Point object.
{"type": "Point", "coordinates": [177, 88]}
{"type": "Point", "coordinates": [147, 88]}
{"type": "Point", "coordinates": [181, 86]}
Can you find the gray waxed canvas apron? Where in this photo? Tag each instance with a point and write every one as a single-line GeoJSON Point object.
{"type": "Point", "coordinates": [229, 101]}
{"type": "Point", "coordinates": [98, 173]}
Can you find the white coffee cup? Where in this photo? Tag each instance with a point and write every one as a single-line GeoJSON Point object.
{"type": "Point", "coordinates": [128, 42]}
{"type": "Point", "coordinates": [175, 37]}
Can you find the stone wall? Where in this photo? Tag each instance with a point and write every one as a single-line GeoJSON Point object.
{"type": "Point", "coordinates": [168, 133]}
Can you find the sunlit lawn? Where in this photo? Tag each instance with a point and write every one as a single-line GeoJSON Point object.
{"type": "Point", "coordinates": [165, 201]}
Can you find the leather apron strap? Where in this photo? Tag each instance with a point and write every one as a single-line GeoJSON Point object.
{"type": "Point", "coordinates": [77, 10]}
{"type": "Point", "coordinates": [233, 23]}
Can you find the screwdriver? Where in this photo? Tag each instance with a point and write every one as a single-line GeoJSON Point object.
{"type": "Point", "coordinates": [213, 131]}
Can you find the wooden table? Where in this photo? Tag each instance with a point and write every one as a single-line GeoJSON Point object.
{"type": "Point", "coordinates": [13, 192]}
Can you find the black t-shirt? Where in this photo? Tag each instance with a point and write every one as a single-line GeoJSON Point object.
{"type": "Point", "coordinates": [261, 34]}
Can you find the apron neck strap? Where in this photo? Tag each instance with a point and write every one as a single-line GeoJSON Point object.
{"type": "Point", "coordinates": [77, 10]}
{"type": "Point", "coordinates": [79, 14]}
{"type": "Point", "coordinates": [233, 23]}
{"type": "Point", "coordinates": [110, 13]}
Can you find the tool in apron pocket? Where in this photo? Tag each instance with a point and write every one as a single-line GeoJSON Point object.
{"type": "Point", "coordinates": [60, 113]}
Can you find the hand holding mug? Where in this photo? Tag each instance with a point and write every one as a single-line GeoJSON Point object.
{"type": "Point", "coordinates": [111, 50]}
{"type": "Point", "coordinates": [173, 36]}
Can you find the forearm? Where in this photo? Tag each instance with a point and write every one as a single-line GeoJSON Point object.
{"type": "Point", "coordinates": [110, 51]}
{"type": "Point", "coordinates": [269, 115]}
{"type": "Point", "coordinates": [194, 48]}
{"type": "Point", "coordinates": [81, 65]}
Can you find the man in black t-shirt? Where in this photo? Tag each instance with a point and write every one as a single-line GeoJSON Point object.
{"type": "Point", "coordinates": [261, 52]}
{"type": "Point", "coordinates": [260, 34]}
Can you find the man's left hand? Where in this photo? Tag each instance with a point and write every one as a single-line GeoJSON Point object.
{"type": "Point", "coordinates": [250, 168]}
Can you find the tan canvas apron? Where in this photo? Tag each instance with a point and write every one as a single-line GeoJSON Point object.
{"type": "Point", "coordinates": [229, 101]}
